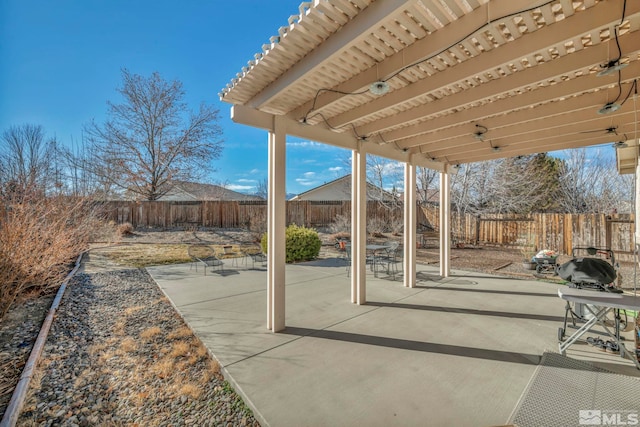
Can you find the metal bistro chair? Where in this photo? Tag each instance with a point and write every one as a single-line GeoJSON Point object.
{"type": "Point", "coordinates": [347, 258]}
{"type": "Point", "coordinates": [391, 259]}
{"type": "Point", "coordinates": [258, 256]}
{"type": "Point", "coordinates": [205, 255]}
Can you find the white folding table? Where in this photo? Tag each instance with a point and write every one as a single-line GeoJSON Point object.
{"type": "Point", "coordinates": [603, 303]}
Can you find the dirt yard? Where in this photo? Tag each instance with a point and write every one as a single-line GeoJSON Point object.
{"type": "Point", "coordinates": [486, 259]}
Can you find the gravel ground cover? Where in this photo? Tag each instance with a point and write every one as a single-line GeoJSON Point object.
{"type": "Point", "coordinates": [118, 354]}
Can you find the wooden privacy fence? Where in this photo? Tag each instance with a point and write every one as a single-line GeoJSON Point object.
{"type": "Point", "coordinates": [241, 214]}
{"type": "Point", "coordinates": [559, 232]}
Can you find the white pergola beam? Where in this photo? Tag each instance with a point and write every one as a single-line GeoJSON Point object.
{"type": "Point", "coordinates": [352, 33]}
{"type": "Point", "coordinates": [572, 129]}
{"type": "Point", "coordinates": [601, 15]}
{"type": "Point", "coordinates": [512, 105]}
{"type": "Point", "coordinates": [578, 108]}
{"type": "Point", "coordinates": [417, 52]}
{"type": "Point", "coordinates": [513, 149]}
{"type": "Point", "coordinates": [259, 119]}
{"type": "Point", "coordinates": [531, 77]}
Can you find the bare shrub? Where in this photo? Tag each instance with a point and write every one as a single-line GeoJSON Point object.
{"type": "Point", "coordinates": [396, 225]}
{"type": "Point", "coordinates": [257, 224]}
{"type": "Point", "coordinates": [376, 227]}
{"type": "Point", "coordinates": [40, 237]}
{"type": "Point", "coordinates": [125, 229]}
{"type": "Point", "coordinates": [341, 224]}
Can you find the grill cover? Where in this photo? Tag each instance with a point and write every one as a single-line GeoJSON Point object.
{"type": "Point", "coordinates": [587, 270]}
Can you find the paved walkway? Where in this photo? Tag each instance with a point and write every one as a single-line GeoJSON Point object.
{"type": "Point", "coordinates": [457, 351]}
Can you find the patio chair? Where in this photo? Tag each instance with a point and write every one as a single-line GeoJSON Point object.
{"type": "Point", "coordinates": [347, 258]}
{"type": "Point", "coordinates": [391, 260]}
{"type": "Point", "coordinates": [203, 254]}
{"type": "Point", "coordinates": [258, 256]}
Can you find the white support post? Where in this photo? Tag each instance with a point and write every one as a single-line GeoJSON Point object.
{"type": "Point", "coordinates": [445, 226]}
{"type": "Point", "coordinates": [276, 228]}
{"type": "Point", "coordinates": [637, 211]}
{"type": "Point", "coordinates": [358, 225]}
{"type": "Point", "coordinates": [636, 247]}
{"type": "Point", "coordinates": [355, 228]}
{"type": "Point", "coordinates": [410, 220]}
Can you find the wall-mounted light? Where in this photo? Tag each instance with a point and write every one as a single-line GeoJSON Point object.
{"type": "Point", "coordinates": [495, 149]}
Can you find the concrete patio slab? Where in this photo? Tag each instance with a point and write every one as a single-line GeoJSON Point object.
{"type": "Point", "coordinates": [455, 351]}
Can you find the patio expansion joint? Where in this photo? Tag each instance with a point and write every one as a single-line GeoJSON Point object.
{"type": "Point", "coordinates": [222, 298]}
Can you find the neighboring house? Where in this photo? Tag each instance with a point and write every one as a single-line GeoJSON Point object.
{"type": "Point", "coordinates": [340, 189]}
{"type": "Point", "coordinates": [183, 191]}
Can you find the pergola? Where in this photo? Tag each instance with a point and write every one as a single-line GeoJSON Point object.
{"type": "Point", "coordinates": [437, 83]}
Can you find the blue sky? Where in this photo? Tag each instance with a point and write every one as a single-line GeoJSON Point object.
{"type": "Point", "coordinates": [60, 63]}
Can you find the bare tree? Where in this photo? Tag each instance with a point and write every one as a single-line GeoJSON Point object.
{"type": "Point", "coordinates": [152, 138]}
{"type": "Point", "coordinates": [590, 183]}
{"type": "Point", "coordinates": [262, 188]}
{"type": "Point", "coordinates": [470, 187]}
{"type": "Point", "coordinates": [524, 184]}
{"type": "Point", "coordinates": [26, 160]}
{"type": "Point", "coordinates": [425, 181]}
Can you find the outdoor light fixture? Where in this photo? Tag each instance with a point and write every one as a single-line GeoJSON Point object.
{"type": "Point", "coordinates": [610, 68]}
{"type": "Point", "coordinates": [479, 133]}
{"type": "Point", "coordinates": [620, 144]}
{"type": "Point", "coordinates": [609, 107]}
{"type": "Point", "coordinates": [379, 87]}
{"type": "Point", "coordinates": [495, 149]}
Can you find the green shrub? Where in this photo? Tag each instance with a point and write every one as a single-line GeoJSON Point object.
{"type": "Point", "coordinates": [302, 244]}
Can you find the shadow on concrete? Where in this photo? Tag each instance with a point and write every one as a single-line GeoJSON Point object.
{"type": "Point", "coordinates": [458, 310]}
{"type": "Point", "coordinates": [489, 291]}
{"type": "Point", "coordinates": [428, 347]}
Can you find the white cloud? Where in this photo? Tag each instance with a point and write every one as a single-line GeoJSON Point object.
{"type": "Point", "coordinates": [336, 169]}
{"type": "Point", "coordinates": [254, 172]}
{"type": "Point", "coordinates": [238, 187]}
{"type": "Point", "coordinates": [309, 175]}
{"type": "Point", "coordinates": [305, 144]}
{"type": "Point", "coordinates": [307, 182]}
{"type": "Point", "coordinates": [247, 181]}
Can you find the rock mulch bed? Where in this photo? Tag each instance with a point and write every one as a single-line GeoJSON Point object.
{"type": "Point", "coordinates": [119, 354]}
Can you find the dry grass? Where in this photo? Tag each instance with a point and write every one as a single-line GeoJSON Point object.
{"type": "Point", "coordinates": [128, 345]}
{"type": "Point", "coordinates": [132, 310]}
{"type": "Point", "coordinates": [163, 367]}
{"type": "Point", "coordinates": [151, 332]}
{"type": "Point", "coordinates": [180, 333]}
{"type": "Point", "coordinates": [180, 349]}
{"type": "Point", "coordinates": [144, 255]}
{"type": "Point", "coordinates": [120, 327]}
{"type": "Point", "coordinates": [190, 390]}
